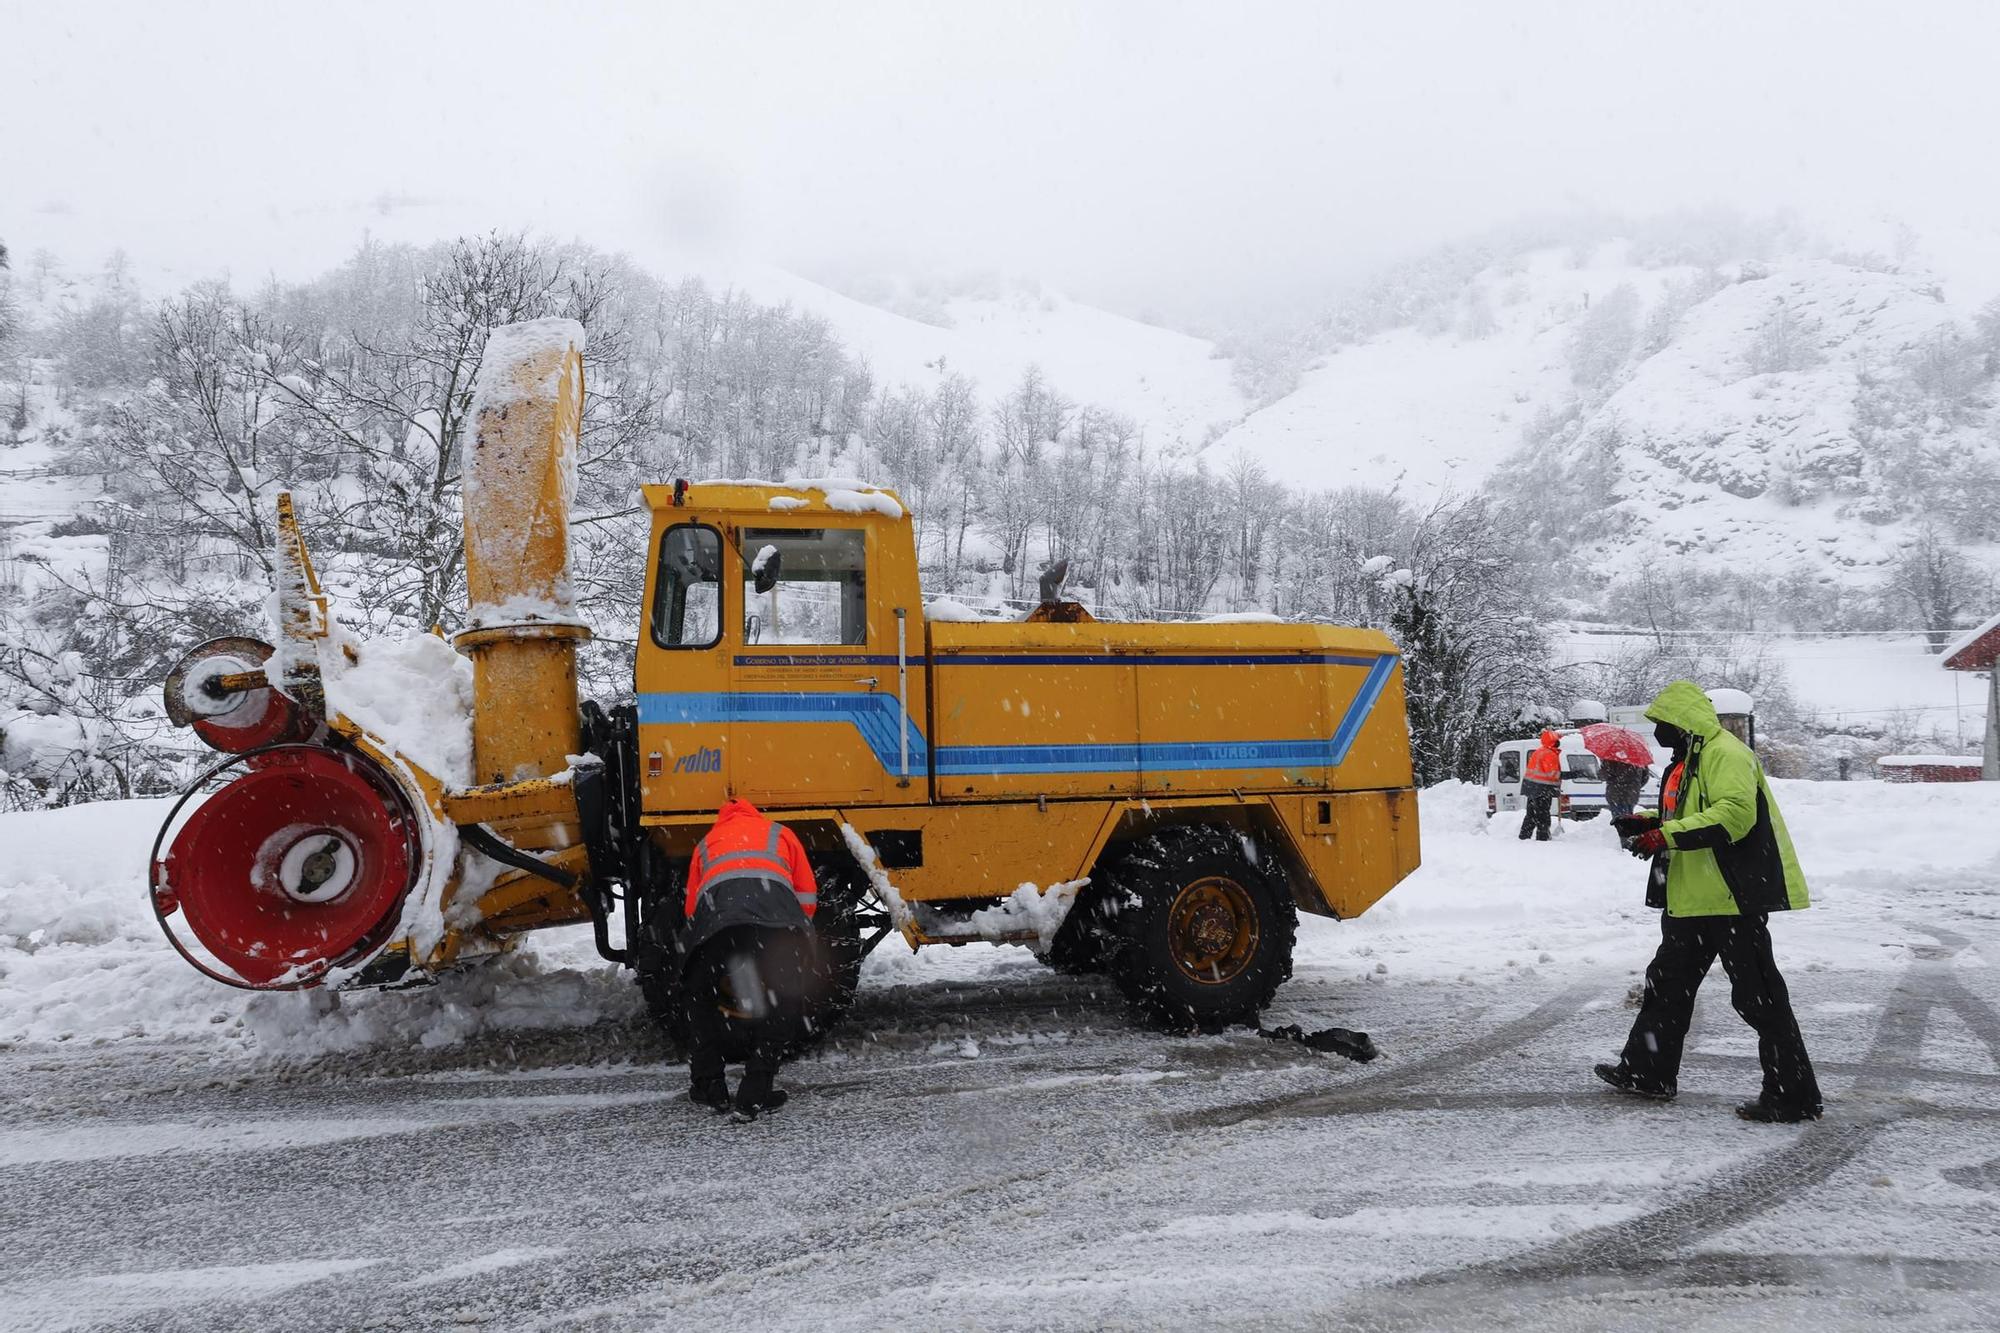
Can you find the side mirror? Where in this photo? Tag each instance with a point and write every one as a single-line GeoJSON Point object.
{"type": "Point", "coordinates": [764, 569]}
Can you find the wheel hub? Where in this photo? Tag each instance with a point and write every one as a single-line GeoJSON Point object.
{"type": "Point", "coordinates": [1212, 929]}
{"type": "Point", "coordinates": [315, 867]}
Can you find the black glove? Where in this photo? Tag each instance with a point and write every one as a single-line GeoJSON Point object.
{"type": "Point", "coordinates": [1631, 826]}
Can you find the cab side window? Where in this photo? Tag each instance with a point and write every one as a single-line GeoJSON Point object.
{"type": "Point", "coordinates": [816, 581]}
{"type": "Point", "coordinates": [687, 598]}
{"type": "Point", "coordinates": [1510, 766]}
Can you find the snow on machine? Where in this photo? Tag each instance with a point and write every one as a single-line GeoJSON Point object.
{"type": "Point", "coordinates": [1153, 801]}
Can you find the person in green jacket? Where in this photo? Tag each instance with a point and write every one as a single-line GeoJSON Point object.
{"type": "Point", "coordinates": [1721, 863]}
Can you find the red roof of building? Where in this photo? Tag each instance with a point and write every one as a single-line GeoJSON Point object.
{"type": "Point", "coordinates": [1976, 649]}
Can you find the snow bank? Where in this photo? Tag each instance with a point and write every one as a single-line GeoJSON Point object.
{"type": "Point", "coordinates": [1487, 906]}
{"type": "Point", "coordinates": [81, 958]}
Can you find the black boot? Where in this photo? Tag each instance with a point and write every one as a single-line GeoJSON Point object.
{"type": "Point", "coordinates": [710, 1092]}
{"type": "Point", "coordinates": [755, 1094]}
{"type": "Point", "coordinates": [1764, 1113]}
{"type": "Point", "coordinates": [1625, 1081]}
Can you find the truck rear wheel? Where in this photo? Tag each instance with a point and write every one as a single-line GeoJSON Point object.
{"type": "Point", "coordinates": [1203, 937]}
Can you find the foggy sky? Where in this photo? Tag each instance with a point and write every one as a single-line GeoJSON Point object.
{"type": "Point", "coordinates": [1129, 153]}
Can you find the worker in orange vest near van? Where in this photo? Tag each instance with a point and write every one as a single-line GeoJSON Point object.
{"type": "Point", "coordinates": [750, 959]}
{"type": "Point", "coordinates": [1541, 782]}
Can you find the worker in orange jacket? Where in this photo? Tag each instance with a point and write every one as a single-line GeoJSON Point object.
{"type": "Point", "coordinates": [1541, 781]}
{"type": "Point", "coordinates": [749, 956]}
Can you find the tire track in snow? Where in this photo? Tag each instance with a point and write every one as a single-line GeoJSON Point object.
{"type": "Point", "coordinates": [1517, 1032]}
{"type": "Point", "coordinates": [1646, 1244]}
{"type": "Point", "coordinates": [1821, 1149]}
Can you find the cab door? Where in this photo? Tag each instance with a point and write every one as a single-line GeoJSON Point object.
{"type": "Point", "coordinates": [681, 671]}
{"type": "Point", "coordinates": [820, 713]}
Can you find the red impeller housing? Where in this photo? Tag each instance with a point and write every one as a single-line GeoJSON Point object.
{"type": "Point", "coordinates": [297, 865]}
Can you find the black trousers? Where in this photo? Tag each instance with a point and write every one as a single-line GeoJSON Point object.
{"type": "Point", "coordinates": [1541, 797]}
{"type": "Point", "coordinates": [1688, 945]}
{"type": "Point", "coordinates": [1623, 786]}
{"type": "Point", "coordinates": [744, 1001]}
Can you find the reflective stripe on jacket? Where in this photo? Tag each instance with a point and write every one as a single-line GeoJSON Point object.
{"type": "Point", "coordinates": [745, 846]}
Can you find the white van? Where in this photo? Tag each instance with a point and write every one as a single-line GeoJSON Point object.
{"type": "Point", "coordinates": [1582, 794]}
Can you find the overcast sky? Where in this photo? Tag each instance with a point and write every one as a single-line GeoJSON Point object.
{"type": "Point", "coordinates": [1116, 151]}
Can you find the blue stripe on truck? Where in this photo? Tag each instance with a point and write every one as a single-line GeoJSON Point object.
{"type": "Point", "coordinates": [877, 717]}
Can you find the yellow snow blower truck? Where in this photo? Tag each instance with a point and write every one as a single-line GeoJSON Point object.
{"type": "Point", "coordinates": [1153, 801]}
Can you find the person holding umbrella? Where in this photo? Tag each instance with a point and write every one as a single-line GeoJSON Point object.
{"type": "Point", "coordinates": [1627, 760]}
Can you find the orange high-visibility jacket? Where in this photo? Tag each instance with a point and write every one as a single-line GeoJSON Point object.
{"type": "Point", "coordinates": [1545, 763]}
{"type": "Point", "coordinates": [743, 844]}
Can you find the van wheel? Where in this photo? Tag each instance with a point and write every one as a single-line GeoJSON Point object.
{"type": "Point", "coordinates": [1203, 936]}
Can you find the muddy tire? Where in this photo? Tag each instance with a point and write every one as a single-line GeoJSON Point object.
{"type": "Point", "coordinates": [1203, 937]}
{"type": "Point", "coordinates": [656, 955]}
{"type": "Point", "coordinates": [837, 937]}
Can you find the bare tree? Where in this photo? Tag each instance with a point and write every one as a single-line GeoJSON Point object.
{"type": "Point", "coordinates": [1935, 582]}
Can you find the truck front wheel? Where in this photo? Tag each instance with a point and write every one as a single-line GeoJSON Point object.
{"type": "Point", "coordinates": [1204, 937]}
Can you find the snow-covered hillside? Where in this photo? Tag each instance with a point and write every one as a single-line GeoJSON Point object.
{"type": "Point", "coordinates": [1436, 406]}
{"type": "Point", "coordinates": [1801, 413]}
{"type": "Point", "coordinates": [1178, 388]}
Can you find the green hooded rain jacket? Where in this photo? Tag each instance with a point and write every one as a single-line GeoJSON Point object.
{"type": "Point", "coordinates": [1731, 853]}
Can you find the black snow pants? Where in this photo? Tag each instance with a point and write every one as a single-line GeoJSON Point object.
{"type": "Point", "coordinates": [1688, 945]}
{"type": "Point", "coordinates": [744, 998]}
{"type": "Point", "coordinates": [1535, 822]}
{"type": "Point", "coordinates": [1624, 784]}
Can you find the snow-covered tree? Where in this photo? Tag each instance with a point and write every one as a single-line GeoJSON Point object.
{"type": "Point", "coordinates": [1933, 581]}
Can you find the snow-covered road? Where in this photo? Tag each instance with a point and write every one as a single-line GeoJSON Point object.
{"type": "Point", "coordinates": [989, 1145]}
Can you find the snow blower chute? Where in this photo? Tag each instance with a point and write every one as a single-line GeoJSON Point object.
{"type": "Point", "coordinates": [317, 853]}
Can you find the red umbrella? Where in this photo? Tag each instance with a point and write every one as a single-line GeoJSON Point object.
{"type": "Point", "coordinates": [1617, 745]}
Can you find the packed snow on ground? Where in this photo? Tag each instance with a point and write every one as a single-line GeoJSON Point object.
{"type": "Point", "coordinates": [988, 1143]}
